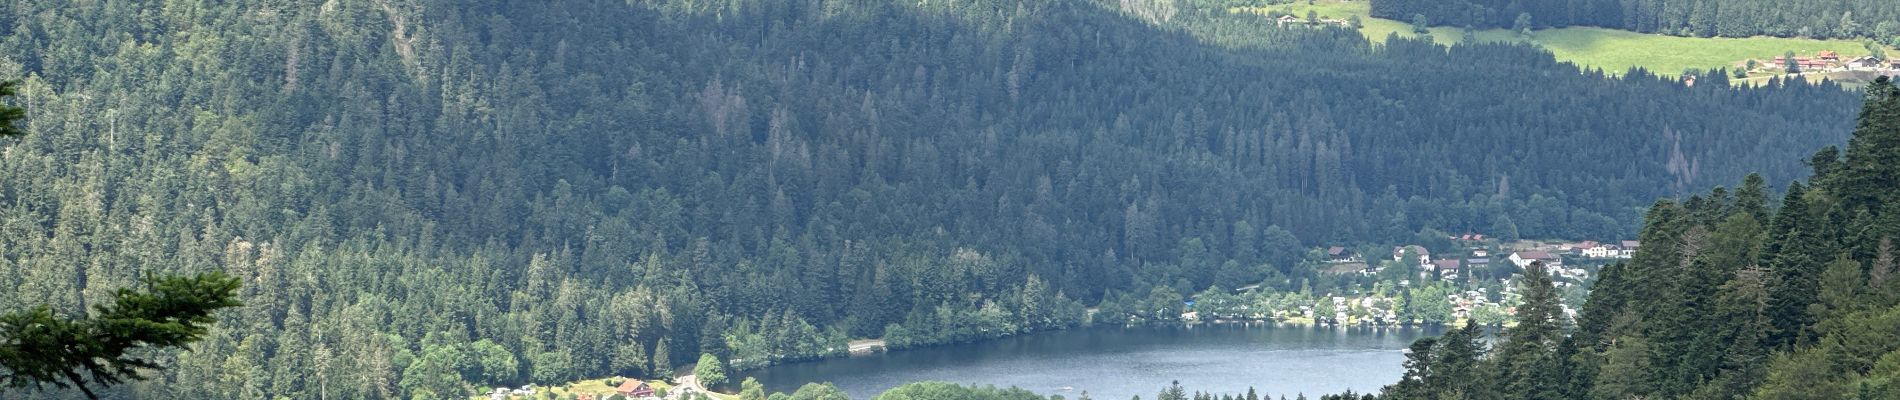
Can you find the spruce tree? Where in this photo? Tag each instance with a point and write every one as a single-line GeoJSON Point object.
{"type": "Point", "coordinates": [39, 348]}
{"type": "Point", "coordinates": [1525, 356]}
{"type": "Point", "coordinates": [1416, 383]}
{"type": "Point", "coordinates": [1872, 169]}
{"type": "Point", "coordinates": [1801, 247]}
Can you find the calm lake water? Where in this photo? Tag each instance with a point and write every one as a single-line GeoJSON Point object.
{"type": "Point", "coordinates": [1115, 364]}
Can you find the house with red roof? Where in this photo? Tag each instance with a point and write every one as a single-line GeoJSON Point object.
{"type": "Point", "coordinates": [634, 388]}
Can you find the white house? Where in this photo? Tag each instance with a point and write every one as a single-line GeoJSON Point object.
{"type": "Point", "coordinates": [1523, 259]}
{"type": "Point", "coordinates": [1601, 251]}
{"type": "Point", "coordinates": [1865, 64]}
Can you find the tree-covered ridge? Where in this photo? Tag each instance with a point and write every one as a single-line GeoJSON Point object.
{"type": "Point", "coordinates": [1729, 298]}
{"type": "Point", "coordinates": [1875, 19]}
{"type": "Point", "coordinates": [420, 196]}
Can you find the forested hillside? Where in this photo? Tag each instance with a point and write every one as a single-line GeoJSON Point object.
{"type": "Point", "coordinates": [1874, 19]}
{"type": "Point", "coordinates": [420, 195]}
{"type": "Point", "coordinates": [1732, 296]}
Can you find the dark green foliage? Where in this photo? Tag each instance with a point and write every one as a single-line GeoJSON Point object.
{"type": "Point", "coordinates": [106, 348]}
{"type": "Point", "coordinates": [1718, 305]}
{"type": "Point", "coordinates": [615, 188]}
{"type": "Point", "coordinates": [10, 116]}
{"type": "Point", "coordinates": [1525, 361]}
{"type": "Point", "coordinates": [950, 391]}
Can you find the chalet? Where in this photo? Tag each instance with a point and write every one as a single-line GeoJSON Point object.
{"type": "Point", "coordinates": [1523, 259]}
{"type": "Point", "coordinates": [1627, 248]}
{"type": "Point", "coordinates": [1338, 254]}
{"type": "Point", "coordinates": [1285, 20]}
{"type": "Point", "coordinates": [1828, 55]}
{"type": "Point", "coordinates": [1865, 64]}
{"type": "Point", "coordinates": [1445, 266]}
{"type": "Point", "coordinates": [634, 388]}
{"type": "Point", "coordinates": [1424, 256]}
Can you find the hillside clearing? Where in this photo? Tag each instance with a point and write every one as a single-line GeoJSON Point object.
{"type": "Point", "coordinates": [1614, 51]}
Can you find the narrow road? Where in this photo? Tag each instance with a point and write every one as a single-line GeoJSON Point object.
{"type": "Point", "coordinates": [690, 383]}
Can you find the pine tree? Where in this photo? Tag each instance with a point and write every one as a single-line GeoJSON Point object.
{"type": "Point", "coordinates": [1415, 384]}
{"type": "Point", "coordinates": [1799, 247]}
{"type": "Point", "coordinates": [1872, 168]}
{"type": "Point", "coordinates": [1456, 361]}
{"type": "Point", "coordinates": [39, 348]}
{"type": "Point", "coordinates": [1525, 358]}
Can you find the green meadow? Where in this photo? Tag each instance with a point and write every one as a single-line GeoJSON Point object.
{"type": "Point", "coordinates": [1612, 50]}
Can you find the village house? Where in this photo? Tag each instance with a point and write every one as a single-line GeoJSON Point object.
{"type": "Point", "coordinates": [1288, 19]}
{"type": "Point", "coordinates": [1601, 251]}
{"type": "Point", "coordinates": [1477, 262]}
{"type": "Point", "coordinates": [1447, 267]}
{"type": "Point", "coordinates": [1424, 256]}
{"type": "Point", "coordinates": [1627, 249]}
{"type": "Point", "coordinates": [1523, 259]}
{"type": "Point", "coordinates": [1337, 254]}
{"type": "Point", "coordinates": [634, 388]}
{"type": "Point", "coordinates": [1865, 64]}
{"type": "Point", "coordinates": [1828, 55]}
{"type": "Point", "coordinates": [1577, 248]}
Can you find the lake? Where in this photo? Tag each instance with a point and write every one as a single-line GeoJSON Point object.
{"type": "Point", "coordinates": [1116, 363]}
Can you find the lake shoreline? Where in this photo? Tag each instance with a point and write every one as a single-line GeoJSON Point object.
{"type": "Point", "coordinates": [871, 346]}
{"type": "Point", "coordinates": [1288, 358]}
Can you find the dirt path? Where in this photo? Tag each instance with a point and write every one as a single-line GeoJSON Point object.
{"type": "Point", "coordinates": [862, 346]}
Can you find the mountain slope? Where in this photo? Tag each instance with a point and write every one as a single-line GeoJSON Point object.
{"type": "Point", "coordinates": [577, 190]}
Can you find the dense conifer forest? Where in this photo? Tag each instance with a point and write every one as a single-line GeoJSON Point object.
{"type": "Point", "coordinates": [1872, 19]}
{"type": "Point", "coordinates": [1735, 295]}
{"type": "Point", "coordinates": [423, 196]}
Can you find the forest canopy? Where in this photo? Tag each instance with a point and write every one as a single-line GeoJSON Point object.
{"type": "Point", "coordinates": [422, 196]}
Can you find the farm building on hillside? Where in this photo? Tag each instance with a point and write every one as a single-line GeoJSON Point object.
{"type": "Point", "coordinates": [1337, 254]}
{"type": "Point", "coordinates": [1865, 64]}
